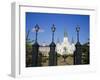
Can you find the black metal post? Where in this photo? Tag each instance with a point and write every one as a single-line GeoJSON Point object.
{"type": "Point", "coordinates": [36, 36]}
{"type": "Point", "coordinates": [52, 53]}
{"type": "Point", "coordinates": [78, 51]}
{"type": "Point", "coordinates": [52, 36]}
{"type": "Point", "coordinates": [77, 36]}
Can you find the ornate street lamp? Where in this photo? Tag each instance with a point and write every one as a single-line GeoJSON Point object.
{"type": "Point", "coordinates": [36, 29]}
{"type": "Point", "coordinates": [53, 28]}
{"type": "Point", "coordinates": [77, 29]}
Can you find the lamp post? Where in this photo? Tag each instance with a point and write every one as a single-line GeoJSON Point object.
{"type": "Point", "coordinates": [53, 28]}
{"type": "Point", "coordinates": [78, 52]}
{"type": "Point", "coordinates": [36, 29]}
{"type": "Point", "coordinates": [52, 53]}
{"type": "Point", "coordinates": [35, 48]}
{"type": "Point", "coordinates": [77, 30]}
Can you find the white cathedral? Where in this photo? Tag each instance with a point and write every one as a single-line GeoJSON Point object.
{"type": "Point", "coordinates": [65, 47]}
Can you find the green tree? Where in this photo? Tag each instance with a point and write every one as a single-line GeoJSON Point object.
{"type": "Point", "coordinates": [85, 53]}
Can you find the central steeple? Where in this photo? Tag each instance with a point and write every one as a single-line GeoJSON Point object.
{"type": "Point", "coordinates": [65, 40]}
{"type": "Point", "coordinates": [65, 33]}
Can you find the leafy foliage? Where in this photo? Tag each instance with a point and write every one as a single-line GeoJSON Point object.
{"type": "Point", "coordinates": [85, 53]}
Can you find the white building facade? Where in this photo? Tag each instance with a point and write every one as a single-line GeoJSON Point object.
{"type": "Point", "coordinates": [66, 47]}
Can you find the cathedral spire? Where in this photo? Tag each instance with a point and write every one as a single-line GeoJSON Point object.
{"type": "Point", "coordinates": [65, 33]}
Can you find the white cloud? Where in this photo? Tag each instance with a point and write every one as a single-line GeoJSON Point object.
{"type": "Point", "coordinates": [40, 30]}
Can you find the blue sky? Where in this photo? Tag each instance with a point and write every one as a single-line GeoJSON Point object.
{"type": "Point", "coordinates": [62, 22]}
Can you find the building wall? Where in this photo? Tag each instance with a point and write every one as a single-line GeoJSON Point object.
{"type": "Point", "coordinates": [44, 50]}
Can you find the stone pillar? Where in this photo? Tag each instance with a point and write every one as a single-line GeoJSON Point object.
{"type": "Point", "coordinates": [35, 51]}
{"type": "Point", "coordinates": [78, 54]}
{"type": "Point", "coordinates": [52, 55]}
